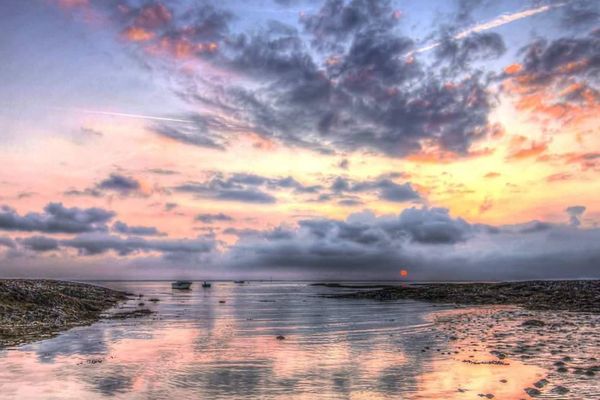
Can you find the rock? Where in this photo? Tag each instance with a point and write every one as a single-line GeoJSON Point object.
{"type": "Point", "coordinates": [533, 323]}
{"type": "Point", "coordinates": [532, 392]}
{"type": "Point", "coordinates": [280, 337]}
{"type": "Point", "coordinates": [131, 314]}
{"type": "Point", "coordinates": [32, 309]}
{"type": "Point", "coordinates": [560, 390]}
{"type": "Point", "coordinates": [222, 301]}
{"type": "Point", "coordinates": [154, 300]}
{"type": "Point", "coordinates": [541, 383]}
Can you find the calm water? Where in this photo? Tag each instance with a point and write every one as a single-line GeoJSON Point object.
{"type": "Point", "coordinates": [197, 347]}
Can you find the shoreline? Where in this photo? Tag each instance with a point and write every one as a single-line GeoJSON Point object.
{"type": "Point", "coordinates": [577, 296]}
{"type": "Point", "coordinates": [564, 345]}
{"type": "Point", "coordinates": [35, 309]}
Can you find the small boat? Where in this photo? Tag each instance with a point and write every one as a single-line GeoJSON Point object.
{"type": "Point", "coordinates": [205, 284]}
{"type": "Point", "coordinates": [181, 285]}
{"type": "Point", "coordinates": [239, 282]}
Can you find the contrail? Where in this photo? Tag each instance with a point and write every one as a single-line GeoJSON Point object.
{"type": "Point", "coordinates": [127, 115]}
{"type": "Point", "coordinates": [495, 23]}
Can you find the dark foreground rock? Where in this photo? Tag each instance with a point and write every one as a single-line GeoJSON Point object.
{"type": "Point", "coordinates": [35, 309]}
{"type": "Point", "coordinates": [581, 295]}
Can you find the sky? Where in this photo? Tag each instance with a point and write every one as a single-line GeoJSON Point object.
{"type": "Point", "coordinates": [283, 139]}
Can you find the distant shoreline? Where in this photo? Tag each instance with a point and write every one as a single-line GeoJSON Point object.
{"type": "Point", "coordinates": [33, 309]}
{"type": "Point", "coordinates": [577, 295]}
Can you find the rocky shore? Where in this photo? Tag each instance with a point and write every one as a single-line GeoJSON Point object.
{"type": "Point", "coordinates": [36, 309]}
{"type": "Point", "coordinates": [580, 296]}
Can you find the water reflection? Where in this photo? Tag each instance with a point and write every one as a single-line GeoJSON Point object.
{"type": "Point", "coordinates": [196, 346]}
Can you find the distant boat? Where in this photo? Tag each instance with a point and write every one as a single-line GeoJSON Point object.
{"type": "Point", "coordinates": [205, 284]}
{"type": "Point", "coordinates": [181, 285]}
{"type": "Point", "coordinates": [239, 281]}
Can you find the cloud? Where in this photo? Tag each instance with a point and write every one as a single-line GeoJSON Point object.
{"type": "Point", "coordinates": [121, 227]}
{"type": "Point", "coordinates": [56, 219]}
{"type": "Point", "coordinates": [476, 47]}
{"type": "Point", "coordinates": [385, 188]}
{"type": "Point", "coordinates": [391, 191]}
{"type": "Point", "coordinates": [244, 187]}
{"type": "Point", "coordinates": [124, 185]}
{"type": "Point", "coordinates": [336, 21]}
{"type": "Point", "coordinates": [162, 171]}
{"type": "Point", "coordinates": [342, 84]}
{"type": "Point", "coordinates": [201, 133]}
{"type": "Point", "coordinates": [170, 206]}
{"type": "Point", "coordinates": [428, 242]}
{"type": "Point", "coordinates": [94, 244]}
{"type": "Point", "coordinates": [211, 218]}
{"type": "Point", "coordinates": [115, 183]}
{"type": "Point", "coordinates": [40, 243]}
{"type": "Point", "coordinates": [575, 213]}
{"type": "Point", "coordinates": [7, 242]}
{"type": "Point", "coordinates": [217, 191]}
{"type": "Point", "coordinates": [558, 79]}
{"type": "Point", "coordinates": [581, 14]}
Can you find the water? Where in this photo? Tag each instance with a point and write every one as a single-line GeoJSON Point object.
{"type": "Point", "coordinates": [195, 346]}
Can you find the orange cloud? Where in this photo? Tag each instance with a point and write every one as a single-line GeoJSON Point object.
{"type": "Point", "coordinates": [181, 47]}
{"type": "Point", "coordinates": [153, 16]}
{"type": "Point", "coordinates": [437, 156]}
{"type": "Point", "coordinates": [136, 34]}
{"type": "Point", "coordinates": [528, 152]}
{"type": "Point", "coordinates": [561, 176]}
{"type": "Point", "coordinates": [490, 175]}
{"type": "Point", "coordinates": [513, 69]}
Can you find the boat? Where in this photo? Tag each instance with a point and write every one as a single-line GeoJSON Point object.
{"type": "Point", "coordinates": [205, 284]}
{"type": "Point", "coordinates": [181, 285]}
{"type": "Point", "coordinates": [239, 281]}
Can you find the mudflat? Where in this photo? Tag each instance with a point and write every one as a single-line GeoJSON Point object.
{"type": "Point", "coordinates": [32, 309]}
{"type": "Point", "coordinates": [575, 295]}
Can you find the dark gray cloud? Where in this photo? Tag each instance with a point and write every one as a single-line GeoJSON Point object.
{"type": "Point", "coordinates": [337, 20]}
{"type": "Point", "coordinates": [430, 226]}
{"type": "Point", "coordinates": [391, 191]}
{"type": "Point", "coordinates": [56, 218]}
{"type": "Point", "coordinates": [385, 188]}
{"type": "Point", "coordinates": [561, 63]}
{"type": "Point", "coordinates": [580, 14]}
{"type": "Point", "coordinates": [460, 54]}
{"type": "Point", "coordinates": [40, 243]}
{"type": "Point", "coordinates": [121, 227]}
{"type": "Point", "coordinates": [7, 242]}
{"type": "Point", "coordinates": [575, 213]}
{"type": "Point", "coordinates": [211, 218]}
{"type": "Point", "coordinates": [201, 133]}
{"type": "Point", "coordinates": [119, 183]}
{"type": "Point", "coordinates": [115, 183]}
{"type": "Point", "coordinates": [243, 187]}
{"type": "Point", "coordinates": [94, 244]}
{"type": "Point", "coordinates": [219, 191]}
{"type": "Point", "coordinates": [428, 242]}
{"type": "Point", "coordinates": [170, 206]}
{"type": "Point", "coordinates": [347, 82]}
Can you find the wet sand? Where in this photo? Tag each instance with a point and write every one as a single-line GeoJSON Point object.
{"type": "Point", "coordinates": [551, 325]}
{"type": "Point", "coordinates": [565, 346]}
